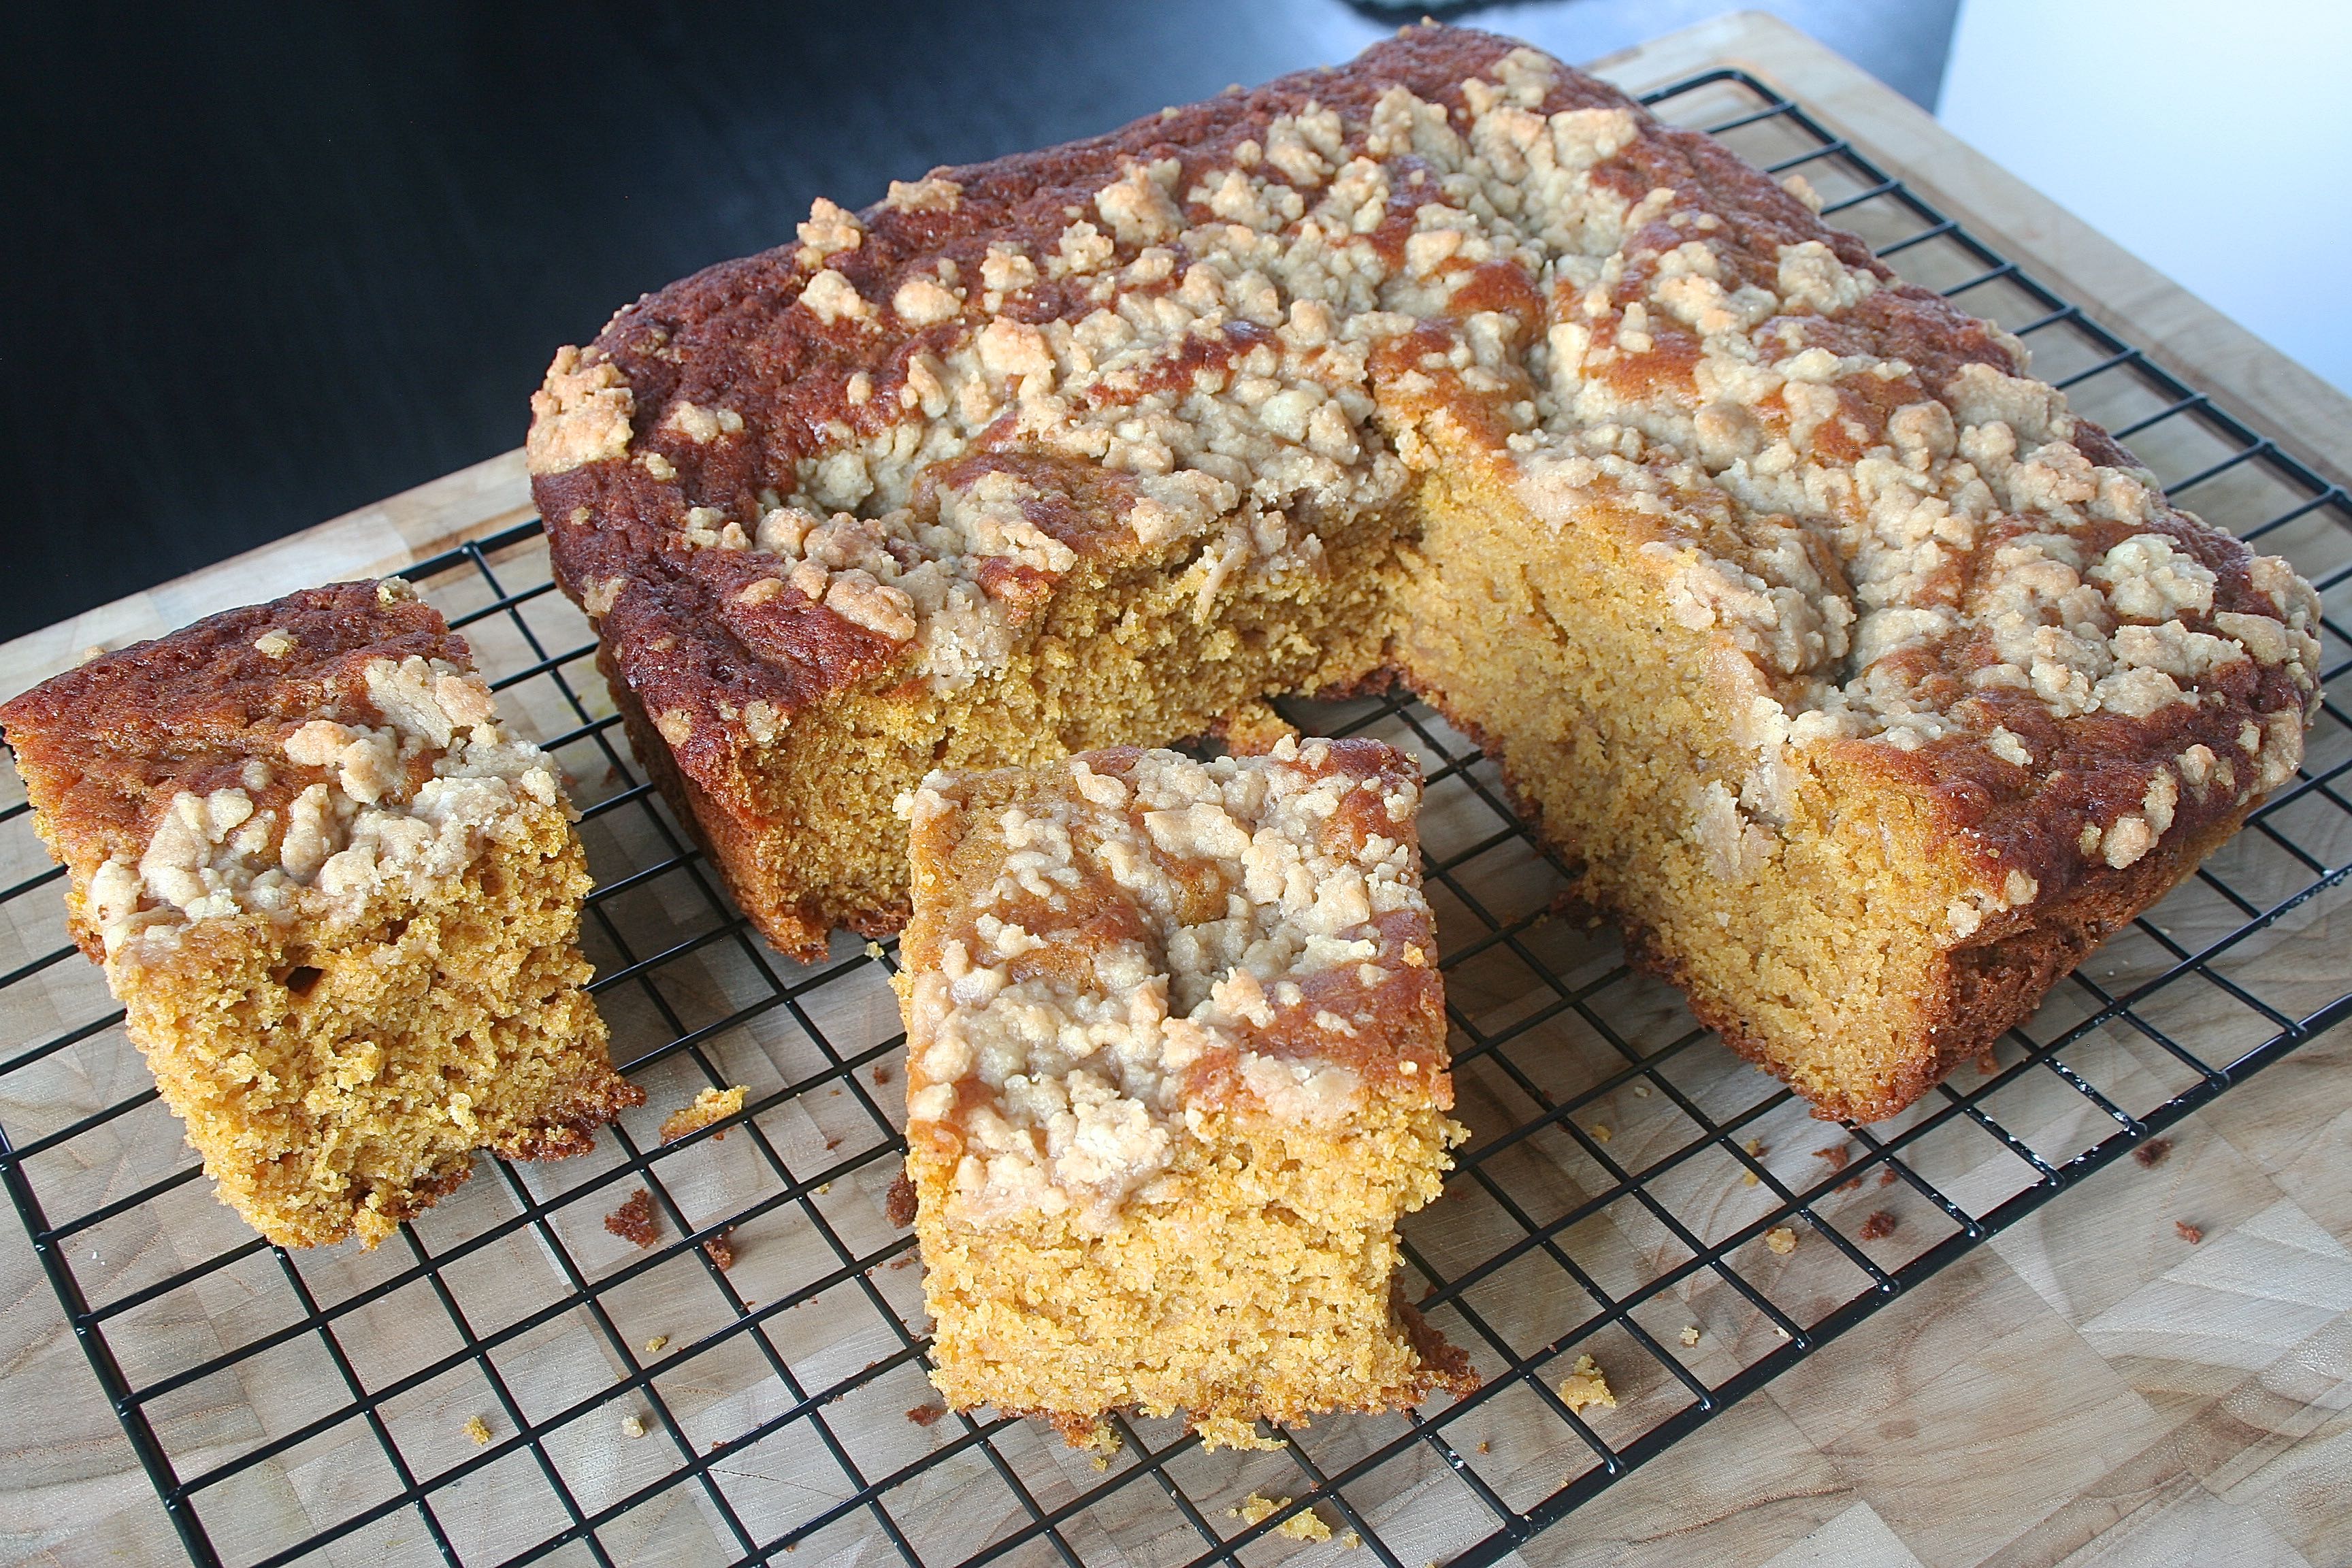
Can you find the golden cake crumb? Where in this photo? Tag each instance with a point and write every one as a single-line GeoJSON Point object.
{"type": "Point", "coordinates": [1304, 1525]}
{"type": "Point", "coordinates": [655, 1345]}
{"type": "Point", "coordinates": [1781, 1239]}
{"type": "Point", "coordinates": [711, 1105]}
{"type": "Point", "coordinates": [632, 1425]}
{"type": "Point", "coordinates": [2190, 1233]}
{"type": "Point", "coordinates": [479, 1430]}
{"type": "Point", "coordinates": [1586, 1384]}
{"type": "Point", "coordinates": [1690, 1333]}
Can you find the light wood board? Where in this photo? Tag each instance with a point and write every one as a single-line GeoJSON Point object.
{"type": "Point", "coordinates": [2090, 1387]}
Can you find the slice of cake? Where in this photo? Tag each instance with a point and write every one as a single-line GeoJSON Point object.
{"type": "Point", "coordinates": [339, 902]}
{"type": "Point", "coordinates": [1176, 1067]}
{"type": "Point", "coordinates": [1870, 685]}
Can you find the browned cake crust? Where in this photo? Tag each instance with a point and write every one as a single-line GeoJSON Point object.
{"type": "Point", "coordinates": [337, 900]}
{"type": "Point", "coordinates": [1932, 657]}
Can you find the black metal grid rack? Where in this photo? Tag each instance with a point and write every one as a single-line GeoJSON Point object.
{"type": "Point", "coordinates": [1629, 1181]}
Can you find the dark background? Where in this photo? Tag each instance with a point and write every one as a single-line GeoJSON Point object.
{"type": "Point", "coordinates": [262, 264]}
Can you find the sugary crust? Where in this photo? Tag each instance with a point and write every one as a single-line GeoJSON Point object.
{"type": "Point", "coordinates": [1287, 958]}
{"type": "Point", "coordinates": [104, 748]}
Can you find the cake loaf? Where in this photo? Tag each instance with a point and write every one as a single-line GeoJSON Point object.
{"type": "Point", "coordinates": [338, 900]}
{"type": "Point", "coordinates": [1869, 686]}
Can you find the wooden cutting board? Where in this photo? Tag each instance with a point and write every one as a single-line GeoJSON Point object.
{"type": "Point", "coordinates": [2089, 1387]}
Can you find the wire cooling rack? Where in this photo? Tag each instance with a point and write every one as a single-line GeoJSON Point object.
{"type": "Point", "coordinates": [510, 1381]}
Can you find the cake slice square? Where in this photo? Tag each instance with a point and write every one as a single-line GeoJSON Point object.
{"type": "Point", "coordinates": [339, 902]}
{"type": "Point", "coordinates": [1176, 1068]}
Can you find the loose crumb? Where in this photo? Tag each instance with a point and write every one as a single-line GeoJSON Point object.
{"type": "Point", "coordinates": [1879, 1225]}
{"type": "Point", "coordinates": [634, 1220]}
{"type": "Point", "coordinates": [1779, 1330]}
{"type": "Point", "coordinates": [924, 1415]}
{"type": "Point", "coordinates": [833, 1143]}
{"type": "Point", "coordinates": [633, 1427]}
{"type": "Point", "coordinates": [1690, 1333]}
{"type": "Point", "coordinates": [1585, 1385]}
{"type": "Point", "coordinates": [711, 1105]}
{"type": "Point", "coordinates": [1887, 1176]}
{"type": "Point", "coordinates": [1641, 1091]}
{"type": "Point", "coordinates": [1350, 1541]}
{"type": "Point", "coordinates": [1780, 1239]}
{"type": "Point", "coordinates": [881, 1074]}
{"type": "Point", "coordinates": [654, 1346]}
{"type": "Point", "coordinates": [479, 1430]}
{"type": "Point", "coordinates": [1838, 1156]}
{"type": "Point", "coordinates": [1484, 1446]}
{"type": "Point", "coordinates": [1304, 1525]}
{"type": "Point", "coordinates": [2189, 1233]}
{"type": "Point", "coordinates": [722, 1251]}
{"type": "Point", "coordinates": [873, 950]}
{"type": "Point", "coordinates": [904, 1260]}
{"type": "Point", "coordinates": [1600, 1133]}
{"type": "Point", "coordinates": [823, 1188]}
{"type": "Point", "coordinates": [2152, 1153]}
{"type": "Point", "coordinates": [1757, 1149]}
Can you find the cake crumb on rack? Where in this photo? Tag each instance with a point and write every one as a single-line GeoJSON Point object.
{"type": "Point", "coordinates": [924, 1415]}
{"type": "Point", "coordinates": [721, 1249]}
{"type": "Point", "coordinates": [634, 1221]}
{"type": "Point", "coordinates": [2151, 1154]}
{"type": "Point", "coordinates": [1585, 1385]}
{"type": "Point", "coordinates": [1879, 1225]}
{"type": "Point", "coordinates": [479, 1430]}
{"type": "Point", "coordinates": [655, 1345]}
{"type": "Point", "coordinates": [2190, 1233]}
{"type": "Point", "coordinates": [1781, 1239]}
{"type": "Point", "coordinates": [1690, 1333]}
{"type": "Point", "coordinates": [632, 1425]}
{"type": "Point", "coordinates": [711, 1105]}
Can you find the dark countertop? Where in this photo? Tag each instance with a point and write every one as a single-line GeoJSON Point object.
{"type": "Point", "coordinates": [264, 264]}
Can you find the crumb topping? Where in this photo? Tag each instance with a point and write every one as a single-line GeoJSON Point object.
{"type": "Point", "coordinates": [1898, 539]}
{"type": "Point", "coordinates": [408, 801]}
{"type": "Point", "coordinates": [1156, 938]}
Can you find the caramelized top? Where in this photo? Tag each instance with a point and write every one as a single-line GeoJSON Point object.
{"type": "Point", "coordinates": [285, 759]}
{"type": "Point", "coordinates": [874, 454]}
{"type": "Point", "coordinates": [1106, 947]}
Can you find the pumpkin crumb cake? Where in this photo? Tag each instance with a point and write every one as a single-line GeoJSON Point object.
{"type": "Point", "coordinates": [337, 898]}
{"type": "Point", "coordinates": [1176, 1067]}
{"type": "Point", "coordinates": [1869, 684]}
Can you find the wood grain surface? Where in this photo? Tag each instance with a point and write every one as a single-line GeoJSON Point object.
{"type": "Point", "coordinates": [2094, 1386]}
